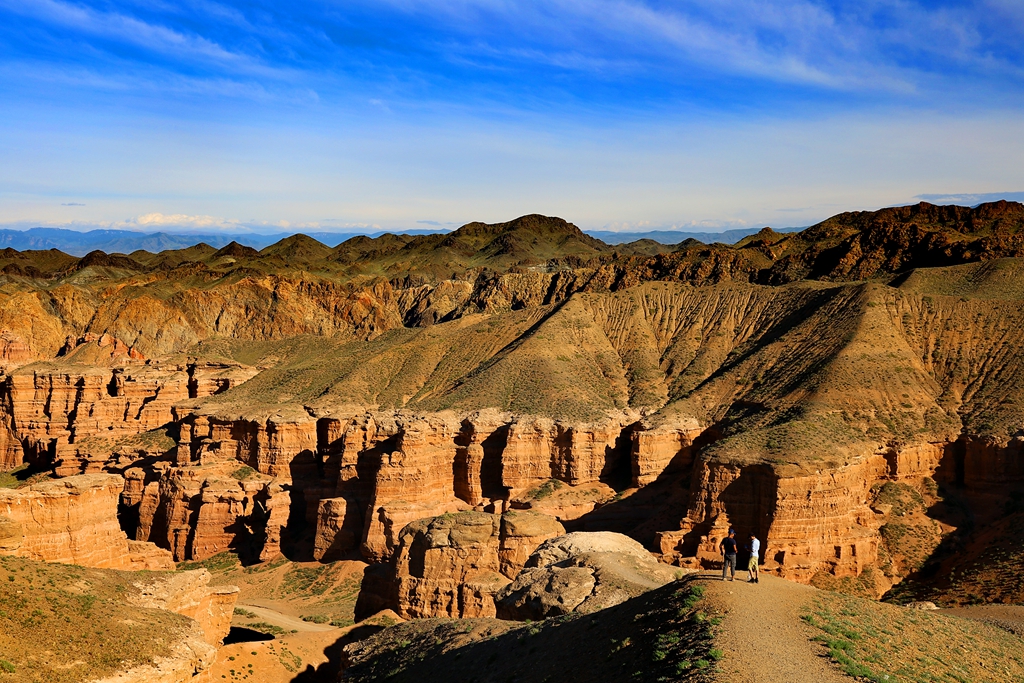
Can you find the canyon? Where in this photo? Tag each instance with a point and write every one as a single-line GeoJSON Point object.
{"type": "Point", "coordinates": [850, 394]}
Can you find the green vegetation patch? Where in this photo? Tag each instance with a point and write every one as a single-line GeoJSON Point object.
{"type": "Point", "coordinates": [883, 643]}
{"type": "Point", "coordinates": [9, 480]}
{"type": "Point", "coordinates": [62, 623]}
{"type": "Point", "coordinates": [221, 562]}
{"type": "Point", "coordinates": [318, 581]}
{"type": "Point", "coordinates": [903, 498]}
{"type": "Point", "coordinates": [244, 473]}
{"type": "Point", "coordinates": [544, 490]}
{"type": "Point", "coordinates": [21, 477]}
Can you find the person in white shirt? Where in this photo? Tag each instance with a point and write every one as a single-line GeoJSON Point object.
{"type": "Point", "coordinates": [755, 549]}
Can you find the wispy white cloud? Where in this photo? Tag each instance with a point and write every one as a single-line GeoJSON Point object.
{"type": "Point", "coordinates": [148, 36]}
{"type": "Point", "coordinates": [159, 220]}
{"type": "Point", "coordinates": [865, 45]}
{"type": "Point", "coordinates": [971, 198]}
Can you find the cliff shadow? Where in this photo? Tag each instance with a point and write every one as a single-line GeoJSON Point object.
{"type": "Point", "coordinates": [240, 634]}
{"type": "Point", "coordinates": [618, 465]}
{"type": "Point", "coordinates": [981, 561]}
{"type": "Point", "coordinates": [648, 509]}
{"type": "Point", "coordinates": [749, 503]}
{"type": "Point", "coordinates": [330, 671]}
{"type": "Point", "coordinates": [297, 536]}
{"type": "Point", "coordinates": [479, 480]}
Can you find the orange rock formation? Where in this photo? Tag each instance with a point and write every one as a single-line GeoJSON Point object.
{"type": "Point", "coordinates": [190, 594]}
{"type": "Point", "coordinates": [74, 520]}
{"type": "Point", "coordinates": [453, 565]}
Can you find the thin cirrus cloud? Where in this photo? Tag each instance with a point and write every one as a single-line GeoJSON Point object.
{"type": "Point", "coordinates": [856, 45]}
{"type": "Point", "coordinates": [623, 112]}
{"type": "Point", "coordinates": [422, 50]}
{"type": "Point", "coordinates": [126, 29]}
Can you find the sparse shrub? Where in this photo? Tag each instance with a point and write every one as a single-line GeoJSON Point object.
{"type": "Point", "coordinates": [545, 489]}
{"type": "Point", "coordinates": [6, 666]}
{"type": "Point", "coordinates": [316, 618]}
{"type": "Point", "coordinates": [243, 473]}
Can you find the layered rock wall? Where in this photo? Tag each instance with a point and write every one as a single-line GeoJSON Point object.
{"type": "Point", "coordinates": [413, 482]}
{"type": "Point", "coordinates": [808, 523]}
{"type": "Point", "coordinates": [360, 479]}
{"type": "Point", "coordinates": [71, 418]}
{"type": "Point", "coordinates": [654, 449]}
{"type": "Point", "coordinates": [199, 511]}
{"type": "Point", "coordinates": [453, 565]}
{"type": "Point", "coordinates": [74, 521]}
{"type": "Point", "coordinates": [281, 449]}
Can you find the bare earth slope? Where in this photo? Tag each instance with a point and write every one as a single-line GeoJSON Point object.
{"type": "Point", "coordinates": [68, 623]}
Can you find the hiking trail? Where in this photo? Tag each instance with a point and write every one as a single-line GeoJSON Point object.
{"type": "Point", "coordinates": [763, 637]}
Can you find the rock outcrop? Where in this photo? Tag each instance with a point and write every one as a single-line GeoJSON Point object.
{"type": "Point", "coordinates": [188, 661]}
{"type": "Point", "coordinates": [14, 351]}
{"type": "Point", "coordinates": [80, 418]}
{"type": "Point", "coordinates": [453, 565]}
{"type": "Point", "coordinates": [74, 521]}
{"type": "Point", "coordinates": [581, 572]}
{"type": "Point", "coordinates": [332, 539]}
{"type": "Point", "coordinates": [190, 594]}
{"type": "Point", "coordinates": [200, 511]}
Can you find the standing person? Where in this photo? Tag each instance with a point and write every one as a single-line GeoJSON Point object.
{"type": "Point", "coordinates": [728, 548]}
{"type": "Point", "coordinates": [755, 548]}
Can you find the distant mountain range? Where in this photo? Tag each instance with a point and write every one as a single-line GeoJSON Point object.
{"type": "Point", "coordinates": [125, 242]}
{"type": "Point", "coordinates": [677, 236]}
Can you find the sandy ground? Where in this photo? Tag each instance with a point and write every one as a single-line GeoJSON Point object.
{"type": "Point", "coordinates": [1009, 617]}
{"type": "Point", "coordinates": [308, 655]}
{"type": "Point", "coordinates": [289, 623]}
{"type": "Point", "coordinates": [763, 636]}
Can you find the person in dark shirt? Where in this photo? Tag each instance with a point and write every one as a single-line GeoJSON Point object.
{"type": "Point", "coordinates": [728, 548]}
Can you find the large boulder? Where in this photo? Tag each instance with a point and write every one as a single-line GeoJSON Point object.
{"type": "Point", "coordinates": [581, 572]}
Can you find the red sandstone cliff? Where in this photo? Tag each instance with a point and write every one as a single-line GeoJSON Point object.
{"type": "Point", "coordinates": [453, 565]}
{"type": "Point", "coordinates": [74, 520]}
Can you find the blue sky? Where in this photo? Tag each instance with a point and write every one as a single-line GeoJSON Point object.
{"type": "Point", "coordinates": [401, 114]}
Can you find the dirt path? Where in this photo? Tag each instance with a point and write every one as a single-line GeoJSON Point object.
{"type": "Point", "coordinates": [763, 637]}
{"type": "Point", "coordinates": [274, 617]}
